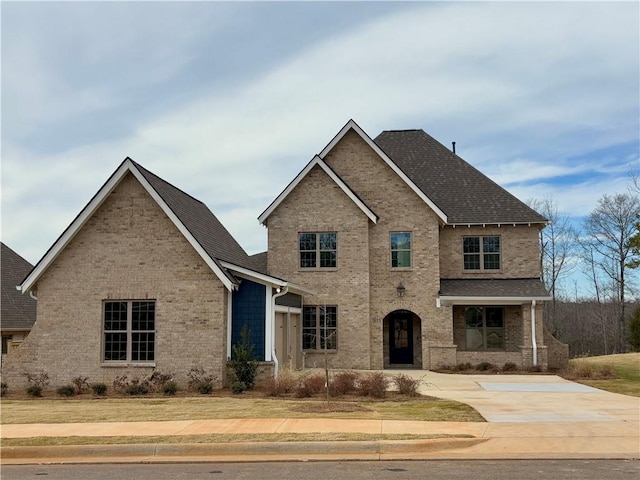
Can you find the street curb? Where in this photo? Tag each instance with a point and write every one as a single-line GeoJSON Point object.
{"type": "Point", "coordinates": [233, 452]}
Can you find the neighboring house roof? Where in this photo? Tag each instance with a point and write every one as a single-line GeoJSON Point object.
{"type": "Point", "coordinates": [260, 261]}
{"type": "Point", "coordinates": [317, 161]}
{"type": "Point", "coordinates": [18, 312]}
{"type": "Point", "coordinates": [462, 192]}
{"type": "Point", "coordinates": [193, 219]}
{"type": "Point", "coordinates": [502, 289]}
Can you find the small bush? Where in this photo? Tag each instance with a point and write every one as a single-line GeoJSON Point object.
{"type": "Point", "coordinates": [170, 388]}
{"type": "Point", "coordinates": [283, 385]}
{"type": "Point", "coordinates": [606, 371]}
{"type": "Point", "coordinates": [344, 383]}
{"type": "Point", "coordinates": [34, 391]}
{"type": "Point", "coordinates": [136, 389]}
{"type": "Point", "coordinates": [373, 385]}
{"type": "Point", "coordinates": [461, 367]}
{"type": "Point", "coordinates": [37, 379]}
{"type": "Point", "coordinates": [535, 369]}
{"type": "Point", "coordinates": [81, 384]}
{"type": "Point", "coordinates": [99, 388]}
{"type": "Point", "coordinates": [310, 385]}
{"type": "Point", "coordinates": [66, 391]}
{"type": "Point", "coordinates": [121, 382]}
{"type": "Point", "coordinates": [238, 387]}
{"type": "Point", "coordinates": [157, 380]}
{"type": "Point", "coordinates": [198, 378]}
{"type": "Point", "coordinates": [406, 385]}
{"type": "Point", "coordinates": [205, 387]}
{"type": "Point", "coordinates": [484, 367]}
{"type": "Point", "coordinates": [243, 361]}
{"type": "Point", "coordinates": [3, 389]}
{"type": "Point", "coordinates": [509, 367]}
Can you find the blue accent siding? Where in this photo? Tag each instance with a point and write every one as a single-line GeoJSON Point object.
{"type": "Point", "coordinates": [248, 309]}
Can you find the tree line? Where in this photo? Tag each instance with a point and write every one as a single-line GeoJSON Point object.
{"type": "Point", "coordinates": [605, 249]}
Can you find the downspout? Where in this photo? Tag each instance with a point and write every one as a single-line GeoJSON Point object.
{"type": "Point", "coordinates": [533, 333]}
{"type": "Point", "coordinates": [273, 329]}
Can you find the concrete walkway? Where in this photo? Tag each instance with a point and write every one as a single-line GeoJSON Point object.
{"type": "Point", "coordinates": [528, 416]}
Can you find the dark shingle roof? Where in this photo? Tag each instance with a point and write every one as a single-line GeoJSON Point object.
{"type": "Point", "coordinates": [260, 261]}
{"type": "Point", "coordinates": [499, 287]}
{"type": "Point", "coordinates": [214, 238]}
{"type": "Point", "coordinates": [464, 194]}
{"type": "Point", "coordinates": [18, 310]}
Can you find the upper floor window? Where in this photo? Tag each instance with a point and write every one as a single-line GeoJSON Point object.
{"type": "Point", "coordinates": [485, 328]}
{"type": "Point", "coordinates": [481, 253]}
{"type": "Point", "coordinates": [318, 250]}
{"type": "Point", "coordinates": [319, 327]}
{"type": "Point", "coordinates": [400, 249]}
{"type": "Point", "coordinates": [129, 331]}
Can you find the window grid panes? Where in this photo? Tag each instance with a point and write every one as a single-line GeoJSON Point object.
{"type": "Point", "coordinates": [129, 331]}
{"type": "Point", "coordinates": [481, 253]}
{"type": "Point", "coordinates": [401, 249]}
{"type": "Point", "coordinates": [319, 327]}
{"type": "Point", "coordinates": [318, 250]}
{"type": "Point", "coordinates": [484, 328]}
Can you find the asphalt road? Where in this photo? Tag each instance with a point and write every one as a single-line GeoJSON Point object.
{"type": "Point", "coordinates": [423, 470]}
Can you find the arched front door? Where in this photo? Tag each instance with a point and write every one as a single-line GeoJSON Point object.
{"type": "Point", "coordinates": [401, 337]}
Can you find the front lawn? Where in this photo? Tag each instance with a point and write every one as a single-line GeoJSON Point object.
{"type": "Point", "coordinates": [613, 373]}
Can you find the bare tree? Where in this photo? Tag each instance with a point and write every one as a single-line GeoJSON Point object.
{"type": "Point", "coordinates": [558, 245]}
{"type": "Point", "coordinates": [608, 231]}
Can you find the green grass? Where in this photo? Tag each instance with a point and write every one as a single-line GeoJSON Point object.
{"type": "Point", "coordinates": [625, 367]}
{"type": "Point", "coordinates": [201, 408]}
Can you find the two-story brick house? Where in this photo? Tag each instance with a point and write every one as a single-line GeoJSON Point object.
{"type": "Point", "coordinates": [415, 258]}
{"type": "Point", "coordinates": [381, 253]}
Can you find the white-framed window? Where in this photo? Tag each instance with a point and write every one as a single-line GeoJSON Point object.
{"type": "Point", "coordinates": [484, 328]}
{"type": "Point", "coordinates": [318, 249]}
{"type": "Point", "coordinates": [481, 253]}
{"type": "Point", "coordinates": [129, 333]}
{"type": "Point", "coordinates": [319, 327]}
{"type": "Point", "coordinates": [401, 243]}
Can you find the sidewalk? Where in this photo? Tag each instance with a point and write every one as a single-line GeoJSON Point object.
{"type": "Point", "coordinates": [542, 417]}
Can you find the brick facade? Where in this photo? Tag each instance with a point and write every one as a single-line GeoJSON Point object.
{"type": "Point", "coordinates": [128, 250]}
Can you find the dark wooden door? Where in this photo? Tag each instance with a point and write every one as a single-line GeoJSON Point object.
{"type": "Point", "coordinates": [401, 338]}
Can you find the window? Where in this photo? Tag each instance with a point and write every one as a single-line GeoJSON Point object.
{"type": "Point", "coordinates": [481, 253]}
{"type": "Point", "coordinates": [129, 331]}
{"type": "Point", "coordinates": [401, 249]}
{"type": "Point", "coordinates": [318, 250]}
{"type": "Point", "coordinates": [319, 327]}
{"type": "Point", "coordinates": [485, 328]}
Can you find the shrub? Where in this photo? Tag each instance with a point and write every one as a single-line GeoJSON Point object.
{"type": "Point", "coordinates": [238, 387]}
{"type": "Point", "coordinates": [198, 379]}
{"type": "Point", "coordinates": [373, 385]}
{"type": "Point", "coordinates": [121, 382]}
{"type": "Point", "coordinates": [37, 379]}
{"type": "Point", "coordinates": [34, 391]}
{"type": "Point", "coordinates": [535, 369]}
{"type": "Point", "coordinates": [461, 367]}
{"type": "Point", "coordinates": [509, 367]}
{"type": "Point", "coordinates": [99, 388]}
{"type": "Point", "coordinates": [606, 371]}
{"type": "Point", "coordinates": [170, 388]}
{"type": "Point", "coordinates": [484, 366]}
{"type": "Point", "coordinates": [81, 384]}
{"type": "Point", "coordinates": [136, 389]}
{"type": "Point", "coordinates": [343, 383]}
{"type": "Point", "coordinates": [243, 361]}
{"type": "Point", "coordinates": [66, 391]}
{"type": "Point", "coordinates": [205, 387]}
{"type": "Point", "coordinates": [406, 385]}
{"type": "Point", "coordinates": [284, 384]}
{"type": "Point", "coordinates": [157, 380]}
{"type": "Point", "coordinates": [3, 389]}
{"type": "Point", "coordinates": [310, 385]}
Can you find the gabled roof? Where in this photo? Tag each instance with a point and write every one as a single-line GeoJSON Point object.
{"type": "Point", "coordinates": [317, 161]}
{"type": "Point", "coordinates": [18, 311]}
{"type": "Point", "coordinates": [193, 219]}
{"type": "Point", "coordinates": [464, 194]}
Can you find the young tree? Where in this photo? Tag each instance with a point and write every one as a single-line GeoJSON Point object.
{"type": "Point", "coordinates": [609, 229]}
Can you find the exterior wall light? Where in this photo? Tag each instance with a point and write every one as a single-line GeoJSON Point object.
{"type": "Point", "coordinates": [400, 290]}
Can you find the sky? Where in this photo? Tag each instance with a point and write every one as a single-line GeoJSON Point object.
{"type": "Point", "coordinates": [229, 100]}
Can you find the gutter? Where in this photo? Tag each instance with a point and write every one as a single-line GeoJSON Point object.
{"type": "Point", "coordinates": [284, 291]}
{"type": "Point", "coordinates": [533, 333]}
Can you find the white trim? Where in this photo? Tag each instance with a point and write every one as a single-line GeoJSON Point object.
{"type": "Point", "coordinates": [338, 181]}
{"type": "Point", "coordinates": [353, 125]}
{"type": "Point", "coordinates": [95, 203]}
{"type": "Point", "coordinates": [269, 327]}
{"type": "Point", "coordinates": [534, 343]}
{"type": "Point", "coordinates": [285, 309]}
{"type": "Point", "coordinates": [229, 322]}
{"type": "Point", "coordinates": [264, 279]}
